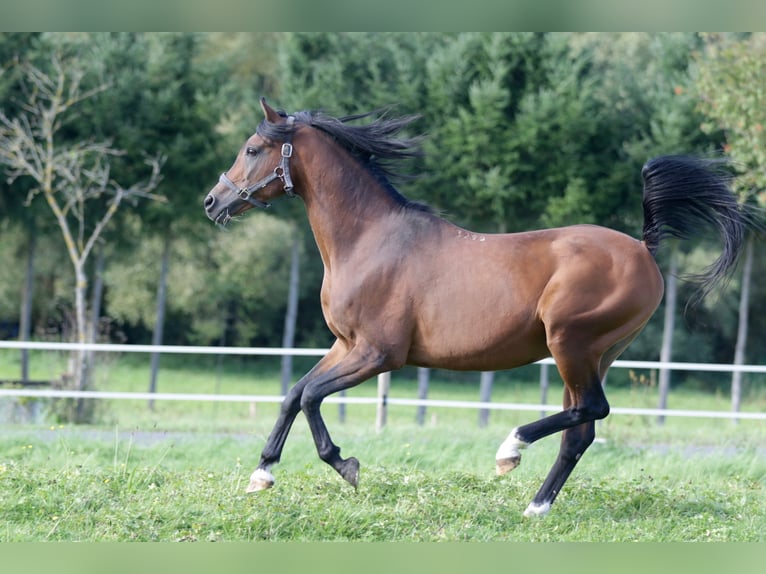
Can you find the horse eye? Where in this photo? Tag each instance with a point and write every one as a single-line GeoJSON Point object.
{"type": "Point", "coordinates": [251, 151]}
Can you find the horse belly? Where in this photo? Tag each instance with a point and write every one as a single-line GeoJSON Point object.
{"type": "Point", "coordinates": [478, 336]}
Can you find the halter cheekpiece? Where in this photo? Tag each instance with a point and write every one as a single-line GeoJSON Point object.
{"type": "Point", "coordinates": [281, 172]}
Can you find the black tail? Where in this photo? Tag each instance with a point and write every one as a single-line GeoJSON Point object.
{"type": "Point", "coordinates": [688, 196]}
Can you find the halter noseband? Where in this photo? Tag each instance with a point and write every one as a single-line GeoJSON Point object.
{"type": "Point", "coordinates": [281, 172]}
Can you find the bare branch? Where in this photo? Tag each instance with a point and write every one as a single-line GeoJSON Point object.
{"type": "Point", "coordinates": [17, 148]}
{"type": "Point", "coordinates": [96, 233]}
{"type": "Point", "coordinates": [62, 89]}
{"type": "Point", "coordinates": [144, 189]}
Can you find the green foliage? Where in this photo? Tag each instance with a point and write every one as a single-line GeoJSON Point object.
{"type": "Point", "coordinates": [474, 85]}
{"type": "Point", "coordinates": [523, 130]}
{"type": "Point", "coordinates": [227, 287]}
{"type": "Point", "coordinates": [532, 130]}
{"type": "Point", "coordinates": [345, 73]}
{"type": "Point", "coordinates": [52, 294]}
{"type": "Point", "coordinates": [161, 103]}
{"type": "Point", "coordinates": [732, 85]}
{"type": "Point", "coordinates": [243, 300]}
{"type": "Point", "coordinates": [13, 275]}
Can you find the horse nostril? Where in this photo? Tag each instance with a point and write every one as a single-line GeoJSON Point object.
{"type": "Point", "coordinates": [209, 201]}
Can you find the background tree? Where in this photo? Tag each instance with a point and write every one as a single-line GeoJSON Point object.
{"type": "Point", "coordinates": [476, 84]}
{"type": "Point", "coordinates": [68, 175]}
{"type": "Point", "coordinates": [168, 105]}
{"type": "Point", "coordinates": [732, 86]}
{"type": "Point", "coordinates": [644, 91]}
{"type": "Point", "coordinates": [653, 74]}
{"type": "Point", "coordinates": [19, 216]}
{"type": "Point", "coordinates": [522, 131]}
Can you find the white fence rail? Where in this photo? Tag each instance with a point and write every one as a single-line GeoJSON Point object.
{"type": "Point", "coordinates": [382, 400]}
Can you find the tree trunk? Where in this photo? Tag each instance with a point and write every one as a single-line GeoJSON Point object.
{"type": "Point", "coordinates": [27, 296]}
{"type": "Point", "coordinates": [81, 368]}
{"type": "Point", "coordinates": [291, 315]}
{"type": "Point", "coordinates": [159, 320]}
{"type": "Point", "coordinates": [744, 307]}
{"type": "Point", "coordinates": [91, 334]}
{"type": "Point", "coordinates": [666, 352]}
{"type": "Point", "coordinates": [485, 392]}
{"type": "Point", "coordinates": [96, 296]}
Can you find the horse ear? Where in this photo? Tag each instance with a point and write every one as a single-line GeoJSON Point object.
{"type": "Point", "coordinates": [269, 112]}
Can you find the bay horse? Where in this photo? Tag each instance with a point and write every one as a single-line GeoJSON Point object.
{"type": "Point", "coordinates": [403, 286]}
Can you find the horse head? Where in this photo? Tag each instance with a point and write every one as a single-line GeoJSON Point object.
{"type": "Point", "coordinates": [260, 172]}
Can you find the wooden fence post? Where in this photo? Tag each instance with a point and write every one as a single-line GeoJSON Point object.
{"type": "Point", "coordinates": [342, 407]}
{"type": "Point", "coordinates": [666, 350]}
{"type": "Point", "coordinates": [423, 376]}
{"type": "Point", "coordinates": [485, 393]}
{"type": "Point", "coordinates": [384, 384]}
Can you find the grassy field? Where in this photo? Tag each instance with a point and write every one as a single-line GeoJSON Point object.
{"type": "Point", "coordinates": [179, 473]}
{"type": "Point", "coordinates": [416, 485]}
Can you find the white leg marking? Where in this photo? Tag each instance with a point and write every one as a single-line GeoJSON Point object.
{"type": "Point", "coordinates": [511, 447]}
{"type": "Point", "coordinates": [535, 509]}
{"type": "Point", "coordinates": [508, 455]}
{"type": "Point", "coordinates": [261, 479]}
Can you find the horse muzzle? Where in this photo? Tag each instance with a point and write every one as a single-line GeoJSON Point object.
{"type": "Point", "coordinates": [217, 211]}
{"type": "Point", "coordinates": [211, 208]}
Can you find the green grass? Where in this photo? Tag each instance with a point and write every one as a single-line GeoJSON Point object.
{"type": "Point", "coordinates": [416, 485]}
{"type": "Point", "coordinates": [179, 473]}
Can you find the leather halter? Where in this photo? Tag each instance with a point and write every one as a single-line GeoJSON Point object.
{"type": "Point", "coordinates": [281, 172]}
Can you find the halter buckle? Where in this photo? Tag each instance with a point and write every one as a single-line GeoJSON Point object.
{"type": "Point", "coordinates": [287, 150]}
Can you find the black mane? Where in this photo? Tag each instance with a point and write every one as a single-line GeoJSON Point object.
{"type": "Point", "coordinates": [374, 144]}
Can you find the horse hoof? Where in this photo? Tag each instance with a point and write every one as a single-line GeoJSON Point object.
{"type": "Point", "coordinates": [506, 465]}
{"type": "Point", "coordinates": [537, 509]}
{"type": "Point", "coordinates": [349, 470]}
{"type": "Point", "coordinates": [508, 456]}
{"type": "Point", "coordinates": [260, 480]}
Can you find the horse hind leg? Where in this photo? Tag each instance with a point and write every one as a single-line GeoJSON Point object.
{"type": "Point", "coordinates": [584, 403]}
{"type": "Point", "coordinates": [574, 442]}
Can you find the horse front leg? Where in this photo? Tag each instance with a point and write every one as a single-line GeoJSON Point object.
{"type": "Point", "coordinates": [362, 362]}
{"type": "Point", "coordinates": [262, 478]}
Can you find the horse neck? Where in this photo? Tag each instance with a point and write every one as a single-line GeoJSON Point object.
{"type": "Point", "coordinates": [343, 202]}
